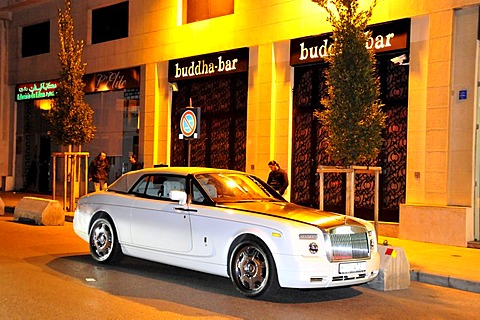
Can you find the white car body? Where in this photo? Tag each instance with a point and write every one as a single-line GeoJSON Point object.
{"type": "Point", "coordinates": [201, 237]}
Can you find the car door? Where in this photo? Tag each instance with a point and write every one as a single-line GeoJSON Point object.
{"type": "Point", "coordinates": [157, 222]}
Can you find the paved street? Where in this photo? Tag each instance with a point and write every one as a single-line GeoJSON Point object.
{"type": "Point", "coordinates": [47, 273]}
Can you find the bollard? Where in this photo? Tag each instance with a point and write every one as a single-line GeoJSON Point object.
{"type": "Point", "coordinates": [394, 271]}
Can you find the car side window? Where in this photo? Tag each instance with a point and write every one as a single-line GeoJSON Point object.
{"type": "Point", "coordinates": [158, 186]}
{"type": "Point", "coordinates": [141, 186]}
{"type": "Point", "coordinates": [197, 196]}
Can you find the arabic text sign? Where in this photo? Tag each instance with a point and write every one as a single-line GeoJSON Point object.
{"type": "Point", "coordinates": [36, 90]}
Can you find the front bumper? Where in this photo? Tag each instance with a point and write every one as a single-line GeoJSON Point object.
{"type": "Point", "coordinates": [317, 272]}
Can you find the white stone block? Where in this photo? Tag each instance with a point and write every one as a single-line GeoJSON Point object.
{"type": "Point", "coordinates": [394, 271]}
{"type": "Point", "coordinates": [41, 211]}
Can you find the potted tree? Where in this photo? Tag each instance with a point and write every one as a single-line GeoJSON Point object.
{"type": "Point", "coordinates": [71, 117]}
{"type": "Point", "coordinates": [353, 116]}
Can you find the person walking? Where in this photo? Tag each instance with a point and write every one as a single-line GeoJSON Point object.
{"type": "Point", "coordinates": [98, 171]}
{"type": "Point", "coordinates": [277, 178]}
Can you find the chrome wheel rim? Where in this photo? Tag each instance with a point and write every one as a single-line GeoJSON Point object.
{"type": "Point", "coordinates": [102, 240]}
{"type": "Point", "coordinates": [251, 269]}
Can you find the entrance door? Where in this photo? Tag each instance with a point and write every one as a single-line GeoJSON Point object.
{"type": "Point", "coordinates": [223, 125]}
{"type": "Point", "coordinates": [309, 148]}
{"type": "Point", "coordinates": [44, 165]}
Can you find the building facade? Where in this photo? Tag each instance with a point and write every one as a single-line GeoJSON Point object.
{"type": "Point", "coordinates": [255, 72]}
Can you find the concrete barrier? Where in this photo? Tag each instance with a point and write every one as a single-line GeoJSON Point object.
{"type": "Point", "coordinates": [2, 207]}
{"type": "Point", "coordinates": [394, 269]}
{"type": "Point", "coordinates": [41, 211]}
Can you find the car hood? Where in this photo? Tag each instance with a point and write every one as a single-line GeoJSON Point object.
{"type": "Point", "coordinates": [294, 212]}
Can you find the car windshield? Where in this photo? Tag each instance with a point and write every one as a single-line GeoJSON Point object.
{"type": "Point", "coordinates": [236, 187]}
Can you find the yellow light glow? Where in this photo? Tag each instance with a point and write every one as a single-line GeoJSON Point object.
{"type": "Point", "coordinates": [44, 104]}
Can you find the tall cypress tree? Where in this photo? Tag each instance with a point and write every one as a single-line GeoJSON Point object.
{"type": "Point", "coordinates": [71, 117]}
{"type": "Point", "coordinates": [353, 116]}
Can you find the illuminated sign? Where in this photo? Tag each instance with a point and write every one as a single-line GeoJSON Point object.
{"type": "Point", "coordinates": [390, 36]}
{"type": "Point", "coordinates": [122, 79]}
{"type": "Point", "coordinates": [214, 64]}
{"type": "Point", "coordinates": [112, 80]}
{"type": "Point", "coordinates": [36, 90]}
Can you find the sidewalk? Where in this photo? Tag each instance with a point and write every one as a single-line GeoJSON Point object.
{"type": "Point", "coordinates": [442, 265]}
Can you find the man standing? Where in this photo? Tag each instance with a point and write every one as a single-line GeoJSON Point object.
{"type": "Point", "coordinates": [98, 171]}
{"type": "Point", "coordinates": [135, 164]}
{"type": "Point", "coordinates": [277, 178]}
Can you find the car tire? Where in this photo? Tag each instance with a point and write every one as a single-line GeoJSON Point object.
{"type": "Point", "coordinates": [104, 245]}
{"type": "Point", "coordinates": [252, 269]}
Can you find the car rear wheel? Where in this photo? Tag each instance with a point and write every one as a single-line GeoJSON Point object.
{"type": "Point", "coordinates": [104, 246]}
{"type": "Point", "coordinates": [252, 269]}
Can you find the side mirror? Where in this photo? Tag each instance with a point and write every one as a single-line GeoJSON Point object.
{"type": "Point", "coordinates": [178, 195]}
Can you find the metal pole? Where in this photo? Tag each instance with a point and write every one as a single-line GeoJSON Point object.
{"type": "Point", "coordinates": [65, 175]}
{"type": "Point", "coordinates": [189, 152]}
{"type": "Point", "coordinates": [321, 190]}
{"type": "Point", "coordinates": [54, 179]}
{"type": "Point", "coordinates": [377, 182]}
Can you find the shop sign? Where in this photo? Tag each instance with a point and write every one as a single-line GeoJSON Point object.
{"type": "Point", "coordinates": [112, 80]}
{"type": "Point", "coordinates": [36, 90]}
{"type": "Point", "coordinates": [214, 64]}
{"type": "Point", "coordinates": [391, 36]}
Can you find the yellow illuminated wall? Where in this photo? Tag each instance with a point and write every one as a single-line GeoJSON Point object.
{"type": "Point", "coordinates": [440, 170]}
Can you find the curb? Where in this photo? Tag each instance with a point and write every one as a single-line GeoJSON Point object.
{"type": "Point", "coordinates": [445, 281]}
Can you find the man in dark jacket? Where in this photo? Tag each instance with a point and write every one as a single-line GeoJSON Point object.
{"type": "Point", "coordinates": [135, 164]}
{"type": "Point", "coordinates": [277, 178]}
{"type": "Point", "coordinates": [98, 171]}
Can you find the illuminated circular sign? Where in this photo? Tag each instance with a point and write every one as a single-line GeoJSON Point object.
{"type": "Point", "coordinates": [188, 123]}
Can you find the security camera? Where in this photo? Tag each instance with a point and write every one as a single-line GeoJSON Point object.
{"type": "Point", "coordinates": [399, 60]}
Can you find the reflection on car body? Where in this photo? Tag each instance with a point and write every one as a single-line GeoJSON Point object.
{"type": "Point", "coordinates": [226, 223]}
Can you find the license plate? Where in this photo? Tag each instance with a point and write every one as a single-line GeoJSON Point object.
{"type": "Point", "coordinates": [352, 267]}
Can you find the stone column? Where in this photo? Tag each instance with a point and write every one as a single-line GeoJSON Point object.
{"type": "Point", "coordinates": [6, 110]}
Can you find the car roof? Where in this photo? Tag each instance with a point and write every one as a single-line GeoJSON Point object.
{"type": "Point", "coordinates": [126, 181]}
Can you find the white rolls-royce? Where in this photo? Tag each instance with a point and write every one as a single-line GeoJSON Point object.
{"type": "Point", "coordinates": [226, 223]}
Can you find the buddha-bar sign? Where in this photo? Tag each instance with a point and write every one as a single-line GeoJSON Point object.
{"type": "Point", "coordinates": [112, 80]}
{"type": "Point", "coordinates": [390, 36]}
{"type": "Point", "coordinates": [213, 64]}
{"type": "Point", "coordinates": [36, 90]}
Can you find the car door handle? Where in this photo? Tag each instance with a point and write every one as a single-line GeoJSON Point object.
{"type": "Point", "coordinates": [186, 209]}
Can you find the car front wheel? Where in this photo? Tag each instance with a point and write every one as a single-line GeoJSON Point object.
{"type": "Point", "coordinates": [252, 269]}
{"type": "Point", "coordinates": [104, 246]}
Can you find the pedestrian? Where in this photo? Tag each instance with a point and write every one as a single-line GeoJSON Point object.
{"type": "Point", "coordinates": [135, 164]}
{"type": "Point", "coordinates": [98, 171]}
{"type": "Point", "coordinates": [277, 178]}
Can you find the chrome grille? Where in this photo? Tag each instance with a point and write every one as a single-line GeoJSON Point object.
{"type": "Point", "coordinates": [349, 246]}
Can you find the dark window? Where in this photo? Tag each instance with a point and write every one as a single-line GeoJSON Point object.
{"type": "Point", "coordinates": [198, 10]}
{"type": "Point", "coordinates": [36, 39]}
{"type": "Point", "coordinates": [110, 23]}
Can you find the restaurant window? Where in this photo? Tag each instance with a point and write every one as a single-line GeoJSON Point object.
{"type": "Point", "coordinates": [110, 23]}
{"type": "Point", "coordinates": [197, 10]}
{"type": "Point", "coordinates": [36, 39]}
